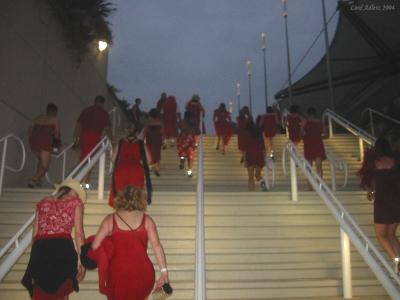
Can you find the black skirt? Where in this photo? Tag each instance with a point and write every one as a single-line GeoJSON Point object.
{"type": "Point", "coordinates": [52, 262]}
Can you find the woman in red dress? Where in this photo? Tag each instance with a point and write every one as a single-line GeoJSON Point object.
{"type": "Point", "coordinates": [254, 155]}
{"type": "Point", "coordinates": [186, 143]}
{"type": "Point", "coordinates": [313, 131]}
{"type": "Point", "coordinates": [223, 128]}
{"type": "Point", "coordinates": [293, 124]}
{"type": "Point", "coordinates": [130, 274]}
{"type": "Point", "coordinates": [381, 177]}
{"type": "Point", "coordinates": [130, 166]}
{"type": "Point", "coordinates": [243, 121]}
{"type": "Point", "coordinates": [170, 118]}
{"type": "Point", "coordinates": [53, 270]}
{"type": "Point", "coordinates": [269, 123]}
{"type": "Point", "coordinates": [42, 132]}
{"type": "Point", "coordinates": [154, 140]}
{"type": "Point", "coordinates": [196, 113]}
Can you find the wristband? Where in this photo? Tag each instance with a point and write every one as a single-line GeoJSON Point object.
{"type": "Point", "coordinates": [163, 270]}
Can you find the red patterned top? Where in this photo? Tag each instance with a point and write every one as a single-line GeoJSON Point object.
{"type": "Point", "coordinates": [56, 216]}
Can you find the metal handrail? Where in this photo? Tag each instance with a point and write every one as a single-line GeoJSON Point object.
{"type": "Point", "coordinates": [349, 126]}
{"type": "Point", "coordinates": [335, 163]}
{"type": "Point", "coordinates": [373, 257]}
{"type": "Point", "coordinates": [22, 239]}
{"type": "Point", "coordinates": [200, 273]}
{"type": "Point", "coordinates": [63, 153]}
{"type": "Point", "coordinates": [371, 118]}
{"type": "Point", "coordinates": [3, 165]}
{"type": "Point", "coordinates": [116, 119]}
{"type": "Point", "coordinates": [269, 167]}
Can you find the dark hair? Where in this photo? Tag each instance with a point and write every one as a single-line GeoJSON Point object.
{"type": "Point", "coordinates": [163, 96]}
{"type": "Point", "coordinates": [312, 111]}
{"type": "Point", "coordinates": [99, 99]}
{"type": "Point", "coordinates": [270, 109]}
{"type": "Point", "coordinates": [294, 108]}
{"type": "Point", "coordinates": [154, 113]}
{"type": "Point", "coordinates": [222, 106]}
{"type": "Point", "coordinates": [254, 130]}
{"type": "Point", "coordinates": [244, 110]}
{"type": "Point", "coordinates": [51, 109]}
{"type": "Point", "coordinates": [383, 147]}
{"type": "Point", "coordinates": [138, 100]}
{"type": "Point", "coordinates": [62, 191]}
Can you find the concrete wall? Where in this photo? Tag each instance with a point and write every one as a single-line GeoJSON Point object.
{"type": "Point", "coordinates": [36, 68]}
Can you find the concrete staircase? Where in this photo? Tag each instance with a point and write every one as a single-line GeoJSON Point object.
{"type": "Point", "coordinates": [259, 245]}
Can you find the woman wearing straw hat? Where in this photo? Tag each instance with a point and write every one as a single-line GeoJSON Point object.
{"type": "Point", "coordinates": [54, 270]}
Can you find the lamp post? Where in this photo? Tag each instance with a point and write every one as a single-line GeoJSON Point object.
{"type": "Point", "coordinates": [238, 94]}
{"type": "Point", "coordinates": [264, 49]}
{"type": "Point", "coordinates": [285, 14]}
{"type": "Point", "coordinates": [249, 67]}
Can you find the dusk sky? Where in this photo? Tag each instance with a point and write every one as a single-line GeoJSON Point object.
{"type": "Point", "coordinates": [185, 46]}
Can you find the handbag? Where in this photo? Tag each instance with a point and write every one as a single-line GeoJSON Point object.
{"type": "Point", "coordinates": [162, 293]}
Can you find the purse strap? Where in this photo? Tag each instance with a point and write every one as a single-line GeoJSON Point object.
{"type": "Point", "coordinates": [127, 223]}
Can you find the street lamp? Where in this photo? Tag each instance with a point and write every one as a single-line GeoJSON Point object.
{"type": "Point", "coordinates": [102, 45]}
{"type": "Point", "coordinates": [264, 49]}
{"type": "Point", "coordinates": [238, 94]}
{"type": "Point", "coordinates": [285, 14]}
{"type": "Point", "coordinates": [249, 67]}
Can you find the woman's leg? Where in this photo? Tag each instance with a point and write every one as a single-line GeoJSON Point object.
{"type": "Point", "coordinates": [258, 173]}
{"type": "Point", "coordinates": [382, 235]}
{"type": "Point", "coordinates": [218, 137]}
{"type": "Point", "coordinates": [250, 173]}
{"type": "Point", "coordinates": [269, 146]}
{"type": "Point", "coordinates": [394, 241]}
{"type": "Point", "coordinates": [43, 165]}
{"type": "Point", "coordinates": [318, 166]}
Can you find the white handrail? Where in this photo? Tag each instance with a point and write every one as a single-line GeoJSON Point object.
{"type": "Point", "coordinates": [200, 273]}
{"type": "Point", "coordinates": [371, 118]}
{"type": "Point", "coordinates": [269, 167]}
{"type": "Point", "coordinates": [3, 165]}
{"type": "Point", "coordinates": [22, 239]}
{"type": "Point", "coordinates": [373, 257]}
{"type": "Point", "coordinates": [63, 153]}
{"type": "Point", "coordinates": [116, 119]}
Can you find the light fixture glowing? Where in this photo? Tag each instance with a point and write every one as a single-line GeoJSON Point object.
{"type": "Point", "coordinates": [102, 45]}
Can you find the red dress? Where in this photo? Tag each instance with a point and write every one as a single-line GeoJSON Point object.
{"type": "Point", "coordinates": [41, 138]}
{"type": "Point", "coordinates": [242, 123]}
{"type": "Point", "coordinates": [131, 273]}
{"type": "Point", "coordinates": [268, 124]}
{"type": "Point", "coordinates": [293, 122]}
{"type": "Point", "coordinates": [255, 151]}
{"type": "Point", "coordinates": [154, 143]}
{"type": "Point", "coordinates": [313, 144]}
{"type": "Point", "coordinates": [128, 169]}
{"type": "Point", "coordinates": [222, 124]}
{"type": "Point", "coordinates": [170, 110]}
{"type": "Point", "coordinates": [196, 112]}
{"type": "Point", "coordinates": [92, 120]}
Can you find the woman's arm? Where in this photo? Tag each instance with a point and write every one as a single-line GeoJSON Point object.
{"type": "Point", "coordinates": [158, 250]}
{"type": "Point", "coordinates": [35, 226]}
{"type": "Point", "coordinates": [79, 239]}
{"type": "Point", "coordinates": [57, 127]}
{"type": "Point", "coordinates": [103, 231]}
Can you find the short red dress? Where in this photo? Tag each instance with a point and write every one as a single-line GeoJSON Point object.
{"type": "Point", "coordinates": [169, 117]}
{"type": "Point", "coordinates": [269, 125]}
{"type": "Point", "coordinates": [242, 124]}
{"type": "Point", "coordinates": [293, 122]}
{"type": "Point", "coordinates": [131, 273]}
{"type": "Point", "coordinates": [41, 138]}
{"type": "Point", "coordinates": [196, 113]}
{"type": "Point", "coordinates": [128, 168]}
{"type": "Point", "coordinates": [154, 143]}
{"type": "Point", "coordinates": [313, 144]}
{"type": "Point", "coordinates": [222, 124]}
{"type": "Point", "coordinates": [255, 151]}
{"type": "Point", "coordinates": [52, 268]}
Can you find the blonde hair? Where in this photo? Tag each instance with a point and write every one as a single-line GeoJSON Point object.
{"type": "Point", "coordinates": [130, 198]}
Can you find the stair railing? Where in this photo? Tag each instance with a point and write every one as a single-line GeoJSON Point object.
{"type": "Point", "coordinates": [269, 168]}
{"type": "Point", "coordinates": [3, 165]}
{"type": "Point", "coordinates": [371, 113]}
{"type": "Point", "coordinates": [17, 245]}
{"type": "Point", "coordinates": [335, 164]}
{"type": "Point", "coordinates": [200, 273]}
{"type": "Point", "coordinates": [349, 230]}
{"type": "Point", "coordinates": [62, 154]}
{"type": "Point", "coordinates": [115, 119]}
{"type": "Point", "coordinates": [362, 135]}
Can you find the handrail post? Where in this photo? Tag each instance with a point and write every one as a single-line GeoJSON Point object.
{"type": "Point", "coordinates": [3, 162]}
{"type": "Point", "coordinates": [114, 120]}
{"type": "Point", "coordinates": [346, 265]}
{"type": "Point", "coordinates": [64, 164]}
{"type": "Point", "coordinates": [293, 179]}
{"type": "Point", "coordinates": [371, 122]}
{"type": "Point", "coordinates": [333, 179]}
{"type": "Point", "coordinates": [361, 146]}
{"type": "Point", "coordinates": [330, 126]}
{"type": "Point", "coordinates": [102, 166]}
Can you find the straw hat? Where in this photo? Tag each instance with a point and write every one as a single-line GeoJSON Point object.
{"type": "Point", "coordinates": [73, 184]}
